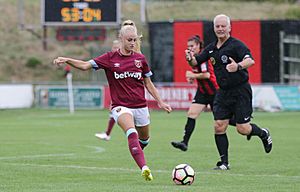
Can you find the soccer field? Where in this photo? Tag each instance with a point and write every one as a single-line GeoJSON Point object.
{"type": "Point", "coordinates": [52, 150]}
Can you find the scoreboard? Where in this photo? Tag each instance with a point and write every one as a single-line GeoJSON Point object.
{"type": "Point", "coordinates": [80, 12]}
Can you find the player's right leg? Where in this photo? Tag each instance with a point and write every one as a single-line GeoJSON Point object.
{"type": "Point", "coordinates": [146, 173]}
{"type": "Point", "coordinates": [222, 144]}
{"type": "Point", "coordinates": [124, 118]}
{"type": "Point", "coordinates": [222, 114]}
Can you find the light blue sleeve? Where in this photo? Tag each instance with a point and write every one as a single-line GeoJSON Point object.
{"type": "Point", "coordinates": [149, 74]}
{"type": "Point", "coordinates": [94, 64]}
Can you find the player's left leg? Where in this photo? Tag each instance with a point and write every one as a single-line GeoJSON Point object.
{"type": "Point", "coordinates": [200, 101]}
{"type": "Point", "coordinates": [243, 115]}
{"type": "Point", "coordinates": [253, 130]}
{"type": "Point", "coordinates": [192, 114]}
{"type": "Point", "coordinates": [142, 121]}
{"type": "Point", "coordinates": [144, 136]}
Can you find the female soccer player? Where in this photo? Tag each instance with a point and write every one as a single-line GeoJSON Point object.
{"type": "Point", "coordinates": [128, 74]}
{"type": "Point", "coordinates": [207, 87]}
{"type": "Point", "coordinates": [116, 45]}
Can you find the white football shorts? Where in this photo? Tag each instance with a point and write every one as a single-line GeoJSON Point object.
{"type": "Point", "coordinates": [141, 116]}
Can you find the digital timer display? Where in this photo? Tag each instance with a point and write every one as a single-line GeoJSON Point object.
{"type": "Point", "coordinates": [80, 12]}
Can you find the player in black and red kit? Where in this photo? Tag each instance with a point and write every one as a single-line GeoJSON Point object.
{"type": "Point", "coordinates": [230, 58]}
{"type": "Point", "coordinates": [128, 75]}
{"type": "Point", "coordinates": [206, 90]}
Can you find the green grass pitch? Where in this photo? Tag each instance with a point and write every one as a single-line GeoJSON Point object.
{"type": "Point", "coordinates": [52, 150]}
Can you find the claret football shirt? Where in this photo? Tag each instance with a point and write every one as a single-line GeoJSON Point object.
{"type": "Point", "coordinates": [125, 75]}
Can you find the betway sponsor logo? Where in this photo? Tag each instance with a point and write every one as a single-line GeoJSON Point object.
{"type": "Point", "coordinates": [137, 75]}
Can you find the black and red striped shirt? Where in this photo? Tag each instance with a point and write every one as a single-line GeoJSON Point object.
{"type": "Point", "coordinates": [206, 86]}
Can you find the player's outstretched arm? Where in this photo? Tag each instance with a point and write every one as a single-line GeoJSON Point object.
{"type": "Point", "coordinates": [82, 65]}
{"type": "Point", "coordinates": [153, 91]}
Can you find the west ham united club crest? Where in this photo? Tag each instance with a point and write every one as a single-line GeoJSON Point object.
{"type": "Point", "coordinates": [138, 63]}
{"type": "Point", "coordinates": [118, 110]}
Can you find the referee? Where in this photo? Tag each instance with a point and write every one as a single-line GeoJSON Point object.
{"type": "Point", "coordinates": [230, 58]}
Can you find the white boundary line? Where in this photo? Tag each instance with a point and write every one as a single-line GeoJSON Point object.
{"type": "Point", "coordinates": [37, 156]}
{"type": "Point", "coordinates": [159, 171]}
{"type": "Point", "coordinates": [100, 149]}
{"type": "Point", "coordinates": [96, 149]}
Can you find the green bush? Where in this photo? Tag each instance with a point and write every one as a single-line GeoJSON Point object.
{"type": "Point", "coordinates": [33, 62]}
{"type": "Point", "coordinates": [293, 13]}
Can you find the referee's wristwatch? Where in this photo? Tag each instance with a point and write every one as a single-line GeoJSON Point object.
{"type": "Point", "coordinates": [239, 67]}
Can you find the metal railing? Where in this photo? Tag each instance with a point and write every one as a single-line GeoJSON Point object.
{"type": "Point", "coordinates": [289, 58]}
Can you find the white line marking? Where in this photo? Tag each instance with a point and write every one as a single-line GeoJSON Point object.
{"type": "Point", "coordinates": [37, 156]}
{"type": "Point", "coordinates": [159, 171]}
{"type": "Point", "coordinates": [76, 167]}
{"type": "Point", "coordinates": [96, 148]}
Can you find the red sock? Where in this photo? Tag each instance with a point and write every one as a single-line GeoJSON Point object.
{"type": "Point", "coordinates": [110, 125]}
{"type": "Point", "coordinates": [136, 150]}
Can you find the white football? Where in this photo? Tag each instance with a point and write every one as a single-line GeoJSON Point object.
{"type": "Point", "coordinates": [183, 174]}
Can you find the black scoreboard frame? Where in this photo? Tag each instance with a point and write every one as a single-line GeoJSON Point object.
{"type": "Point", "coordinates": [103, 12]}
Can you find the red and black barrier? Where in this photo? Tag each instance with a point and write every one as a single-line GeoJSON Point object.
{"type": "Point", "coordinates": [168, 42]}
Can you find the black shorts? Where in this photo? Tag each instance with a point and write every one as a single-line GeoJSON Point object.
{"type": "Point", "coordinates": [203, 99]}
{"type": "Point", "coordinates": [235, 103]}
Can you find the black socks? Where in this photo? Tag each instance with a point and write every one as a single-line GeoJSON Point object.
{"type": "Point", "coordinates": [188, 130]}
{"type": "Point", "coordinates": [222, 145]}
{"type": "Point", "coordinates": [257, 131]}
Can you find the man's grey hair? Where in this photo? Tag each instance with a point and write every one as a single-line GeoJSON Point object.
{"type": "Point", "coordinates": [222, 15]}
